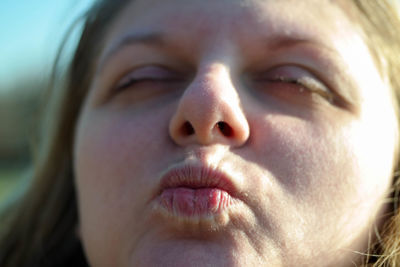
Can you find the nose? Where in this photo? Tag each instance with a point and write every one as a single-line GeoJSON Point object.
{"type": "Point", "coordinates": [209, 111]}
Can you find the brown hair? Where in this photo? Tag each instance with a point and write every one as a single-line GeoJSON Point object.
{"type": "Point", "coordinates": [39, 229]}
{"type": "Point", "coordinates": [380, 23]}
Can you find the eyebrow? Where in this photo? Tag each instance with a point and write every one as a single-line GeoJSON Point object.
{"type": "Point", "coordinates": [154, 39]}
{"type": "Point", "coordinates": [158, 39]}
{"type": "Point", "coordinates": [284, 41]}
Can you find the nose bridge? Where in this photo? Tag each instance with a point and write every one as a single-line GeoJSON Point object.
{"type": "Point", "coordinates": [210, 110]}
{"type": "Point", "coordinates": [209, 94]}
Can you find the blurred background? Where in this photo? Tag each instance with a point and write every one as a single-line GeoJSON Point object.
{"type": "Point", "coordinates": [31, 31]}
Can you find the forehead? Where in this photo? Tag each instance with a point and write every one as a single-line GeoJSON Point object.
{"type": "Point", "coordinates": [234, 19]}
{"type": "Point", "coordinates": [252, 28]}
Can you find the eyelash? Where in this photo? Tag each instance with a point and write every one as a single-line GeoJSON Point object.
{"type": "Point", "coordinates": [153, 74]}
{"type": "Point", "coordinates": [134, 81]}
{"type": "Point", "coordinates": [282, 74]}
{"type": "Point", "coordinates": [307, 83]}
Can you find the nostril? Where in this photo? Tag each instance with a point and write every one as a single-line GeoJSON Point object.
{"type": "Point", "coordinates": [187, 129]}
{"type": "Point", "coordinates": [225, 129]}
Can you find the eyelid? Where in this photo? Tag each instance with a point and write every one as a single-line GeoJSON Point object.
{"type": "Point", "coordinates": [314, 85]}
{"type": "Point", "coordinates": [146, 73]}
{"type": "Point", "coordinates": [297, 75]}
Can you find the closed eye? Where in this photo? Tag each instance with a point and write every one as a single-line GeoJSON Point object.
{"type": "Point", "coordinates": [301, 78]}
{"type": "Point", "coordinates": [147, 75]}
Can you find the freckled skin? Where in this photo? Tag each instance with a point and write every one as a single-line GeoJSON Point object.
{"type": "Point", "coordinates": [310, 168]}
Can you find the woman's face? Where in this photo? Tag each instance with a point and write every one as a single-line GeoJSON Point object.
{"type": "Point", "coordinates": [233, 133]}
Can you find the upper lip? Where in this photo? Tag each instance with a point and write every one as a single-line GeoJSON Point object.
{"type": "Point", "coordinates": [194, 176]}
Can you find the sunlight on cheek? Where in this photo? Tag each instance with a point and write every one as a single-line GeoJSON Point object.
{"type": "Point", "coordinates": [375, 131]}
{"type": "Point", "coordinates": [374, 142]}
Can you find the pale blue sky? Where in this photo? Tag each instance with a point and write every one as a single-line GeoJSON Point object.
{"type": "Point", "coordinates": [30, 33]}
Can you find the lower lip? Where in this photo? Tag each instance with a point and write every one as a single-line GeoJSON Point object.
{"type": "Point", "coordinates": [191, 202]}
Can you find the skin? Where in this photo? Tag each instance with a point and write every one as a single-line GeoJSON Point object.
{"type": "Point", "coordinates": [312, 166]}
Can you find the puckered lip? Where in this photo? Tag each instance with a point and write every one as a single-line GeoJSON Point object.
{"type": "Point", "coordinates": [196, 177]}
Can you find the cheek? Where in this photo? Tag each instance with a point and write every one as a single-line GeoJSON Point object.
{"type": "Point", "coordinates": [116, 164]}
{"type": "Point", "coordinates": [324, 172]}
{"type": "Point", "coordinates": [304, 154]}
{"type": "Point", "coordinates": [108, 149]}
